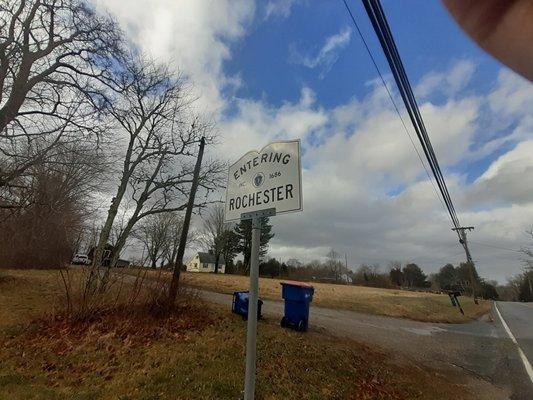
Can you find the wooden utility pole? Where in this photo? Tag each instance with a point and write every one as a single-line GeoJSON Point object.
{"type": "Point", "coordinates": [174, 284]}
{"type": "Point", "coordinates": [462, 239]}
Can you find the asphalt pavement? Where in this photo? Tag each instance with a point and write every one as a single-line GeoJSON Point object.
{"type": "Point", "coordinates": [481, 352]}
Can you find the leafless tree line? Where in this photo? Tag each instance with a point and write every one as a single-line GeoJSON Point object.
{"type": "Point", "coordinates": [160, 236]}
{"type": "Point", "coordinates": [55, 55]}
{"type": "Point", "coordinates": [83, 116]}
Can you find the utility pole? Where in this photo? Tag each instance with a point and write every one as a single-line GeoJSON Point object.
{"type": "Point", "coordinates": [462, 239]}
{"type": "Point", "coordinates": [174, 284]}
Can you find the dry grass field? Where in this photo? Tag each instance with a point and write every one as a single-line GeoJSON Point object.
{"type": "Point", "coordinates": [419, 306]}
{"type": "Point", "coordinates": [38, 289]}
{"type": "Point", "coordinates": [197, 354]}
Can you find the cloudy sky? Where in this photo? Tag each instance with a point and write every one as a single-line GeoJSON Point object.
{"type": "Point", "coordinates": [283, 69]}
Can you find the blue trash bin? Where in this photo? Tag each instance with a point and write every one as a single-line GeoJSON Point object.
{"type": "Point", "coordinates": [297, 296]}
{"type": "Point", "coordinates": [240, 304]}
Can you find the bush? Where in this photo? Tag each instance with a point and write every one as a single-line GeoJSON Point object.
{"type": "Point", "coordinates": [124, 293]}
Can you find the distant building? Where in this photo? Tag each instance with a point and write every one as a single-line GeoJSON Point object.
{"type": "Point", "coordinates": [205, 262]}
{"type": "Point", "coordinates": [346, 278]}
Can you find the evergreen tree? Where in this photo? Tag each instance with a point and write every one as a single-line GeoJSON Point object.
{"type": "Point", "coordinates": [396, 275]}
{"type": "Point", "coordinates": [229, 246]}
{"type": "Point", "coordinates": [244, 232]}
{"type": "Point", "coordinates": [488, 291]}
{"type": "Point", "coordinates": [447, 277]}
{"type": "Point", "coordinates": [464, 272]}
{"type": "Point", "coordinates": [526, 286]}
{"type": "Point", "coordinates": [271, 268]}
{"type": "Point", "coordinates": [413, 276]}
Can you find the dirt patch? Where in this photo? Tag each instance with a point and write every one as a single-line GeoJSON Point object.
{"type": "Point", "coordinates": [6, 280]}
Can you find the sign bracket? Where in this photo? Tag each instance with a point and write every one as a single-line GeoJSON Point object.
{"type": "Point", "coordinates": [269, 212]}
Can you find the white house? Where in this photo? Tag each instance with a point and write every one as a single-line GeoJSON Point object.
{"type": "Point", "coordinates": [205, 262]}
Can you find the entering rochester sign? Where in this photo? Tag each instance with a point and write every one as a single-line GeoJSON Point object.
{"type": "Point", "coordinates": [270, 178]}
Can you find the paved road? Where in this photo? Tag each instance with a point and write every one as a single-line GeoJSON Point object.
{"type": "Point", "coordinates": [481, 351]}
{"type": "Point", "coordinates": [519, 319]}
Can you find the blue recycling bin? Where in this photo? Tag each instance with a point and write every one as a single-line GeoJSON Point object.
{"type": "Point", "coordinates": [240, 304]}
{"type": "Point", "coordinates": [297, 296]}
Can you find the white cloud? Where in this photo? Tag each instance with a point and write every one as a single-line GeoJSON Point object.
{"type": "Point", "coordinates": [194, 36]}
{"type": "Point", "coordinates": [356, 154]}
{"type": "Point", "coordinates": [279, 8]}
{"type": "Point", "coordinates": [449, 82]}
{"type": "Point", "coordinates": [507, 108]}
{"type": "Point", "coordinates": [509, 179]}
{"type": "Point", "coordinates": [327, 56]}
{"type": "Point", "coordinates": [256, 124]}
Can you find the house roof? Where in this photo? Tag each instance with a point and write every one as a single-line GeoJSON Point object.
{"type": "Point", "coordinates": [210, 258]}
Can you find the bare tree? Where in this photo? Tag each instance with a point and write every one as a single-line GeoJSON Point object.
{"type": "Point", "coordinates": [48, 229]}
{"type": "Point", "coordinates": [154, 232]}
{"type": "Point", "coordinates": [160, 136]}
{"type": "Point", "coordinates": [213, 232]}
{"type": "Point", "coordinates": [528, 267]}
{"type": "Point", "coordinates": [334, 264]}
{"type": "Point", "coordinates": [173, 239]}
{"type": "Point", "coordinates": [54, 62]}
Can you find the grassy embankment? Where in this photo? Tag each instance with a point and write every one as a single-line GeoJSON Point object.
{"type": "Point", "coordinates": [418, 306]}
{"type": "Point", "coordinates": [197, 355]}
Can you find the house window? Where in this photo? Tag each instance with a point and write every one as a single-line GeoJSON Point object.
{"type": "Point", "coordinates": [205, 265]}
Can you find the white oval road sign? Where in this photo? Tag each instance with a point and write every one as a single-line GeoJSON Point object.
{"type": "Point", "coordinates": [270, 178]}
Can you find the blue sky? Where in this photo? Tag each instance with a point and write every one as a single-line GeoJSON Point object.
{"type": "Point", "coordinates": [424, 32]}
{"type": "Point", "coordinates": [426, 38]}
{"type": "Point", "coordinates": [272, 69]}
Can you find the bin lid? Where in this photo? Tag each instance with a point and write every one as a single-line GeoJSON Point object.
{"type": "Point", "coordinates": [296, 283]}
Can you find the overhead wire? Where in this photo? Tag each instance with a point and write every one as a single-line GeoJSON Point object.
{"type": "Point", "coordinates": [394, 103]}
{"type": "Point", "coordinates": [382, 29]}
{"type": "Point", "coordinates": [383, 32]}
{"type": "Point", "coordinates": [495, 246]}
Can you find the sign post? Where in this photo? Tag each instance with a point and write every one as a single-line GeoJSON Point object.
{"type": "Point", "coordinates": [251, 329]}
{"type": "Point", "coordinates": [262, 184]}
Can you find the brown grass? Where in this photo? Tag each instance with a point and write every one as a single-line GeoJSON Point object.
{"type": "Point", "coordinates": [196, 354]}
{"type": "Point", "coordinates": [419, 306]}
{"type": "Point", "coordinates": [26, 294]}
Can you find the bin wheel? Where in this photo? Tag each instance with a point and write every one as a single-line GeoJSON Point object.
{"type": "Point", "coordinates": [283, 322]}
{"type": "Point", "coordinates": [302, 325]}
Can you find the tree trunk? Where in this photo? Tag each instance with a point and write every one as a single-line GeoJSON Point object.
{"type": "Point", "coordinates": [118, 246]}
{"type": "Point", "coordinates": [174, 284]}
{"type": "Point", "coordinates": [102, 242]}
{"type": "Point", "coordinates": [111, 215]}
{"type": "Point", "coordinates": [217, 258]}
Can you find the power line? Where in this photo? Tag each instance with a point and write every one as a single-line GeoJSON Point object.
{"type": "Point", "coordinates": [383, 32]}
{"type": "Point", "coordinates": [496, 247]}
{"type": "Point", "coordinates": [382, 29]}
{"type": "Point", "coordinates": [393, 102]}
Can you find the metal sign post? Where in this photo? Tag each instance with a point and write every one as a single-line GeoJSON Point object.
{"type": "Point", "coordinates": [262, 184]}
{"type": "Point", "coordinates": [253, 297]}
{"type": "Point", "coordinates": [251, 333]}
